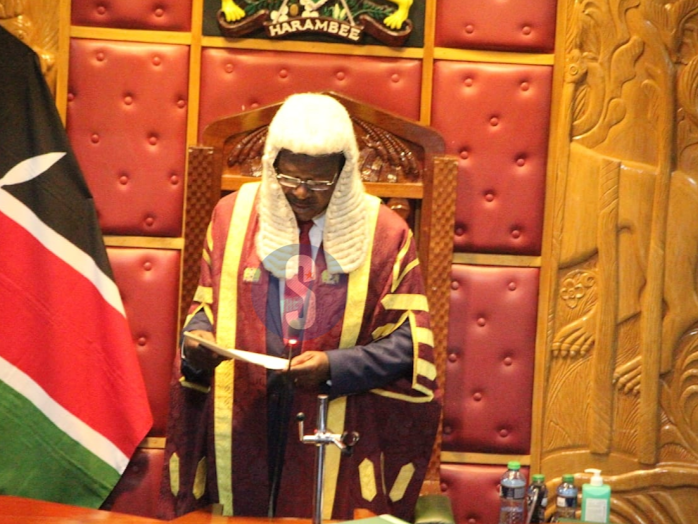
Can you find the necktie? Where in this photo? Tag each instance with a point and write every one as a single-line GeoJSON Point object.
{"type": "Point", "coordinates": [298, 293]}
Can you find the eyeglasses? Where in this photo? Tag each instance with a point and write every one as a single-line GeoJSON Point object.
{"type": "Point", "coordinates": [313, 185]}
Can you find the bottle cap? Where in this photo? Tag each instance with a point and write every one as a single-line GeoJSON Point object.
{"type": "Point", "coordinates": [539, 477]}
{"type": "Point", "coordinates": [515, 465]}
{"type": "Point", "coordinates": [596, 479]}
{"type": "Point", "coordinates": [568, 478]}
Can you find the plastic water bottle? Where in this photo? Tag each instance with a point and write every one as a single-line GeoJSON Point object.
{"type": "Point", "coordinates": [566, 500]}
{"type": "Point", "coordinates": [537, 499]}
{"type": "Point", "coordinates": [512, 495]}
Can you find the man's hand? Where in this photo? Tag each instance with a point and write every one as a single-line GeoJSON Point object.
{"type": "Point", "coordinates": [199, 357]}
{"type": "Point", "coordinates": [310, 369]}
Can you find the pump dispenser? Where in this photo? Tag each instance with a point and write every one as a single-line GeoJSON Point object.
{"type": "Point", "coordinates": [596, 498]}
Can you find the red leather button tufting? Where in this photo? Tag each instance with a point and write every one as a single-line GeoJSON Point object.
{"type": "Point", "coordinates": [128, 100]}
{"type": "Point", "coordinates": [157, 60]}
{"type": "Point", "coordinates": [148, 266]}
{"type": "Point", "coordinates": [101, 9]}
{"type": "Point", "coordinates": [229, 68]}
{"type": "Point", "coordinates": [508, 361]}
{"type": "Point", "coordinates": [468, 82]}
{"type": "Point", "coordinates": [455, 285]}
{"type": "Point", "coordinates": [452, 357]}
{"type": "Point", "coordinates": [174, 180]}
{"type": "Point", "coordinates": [395, 78]}
{"type": "Point", "coordinates": [181, 103]}
{"type": "Point", "coordinates": [512, 286]}
{"type": "Point", "coordinates": [494, 121]}
{"type": "Point", "coordinates": [489, 196]}
{"type": "Point", "coordinates": [141, 341]}
{"type": "Point", "coordinates": [515, 233]}
{"type": "Point", "coordinates": [464, 154]}
{"type": "Point", "coordinates": [460, 231]}
{"type": "Point", "coordinates": [472, 521]}
{"type": "Point", "coordinates": [340, 75]}
{"type": "Point", "coordinates": [283, 73]}
{"type": "Point", "coordinates": [477, 397]}
{"type": "Point", "coordinates": [469, 29]}
{"type": "Point", "coordinates": [100, 56]}
{"type": "Point", "coordinates": [504, 433]}
{"type": "Point", "coordinates": [448, 430]}
{"type": "Point", "coordinates": [149, 221]}
{"type": "Point", "coordinates": [159, 12]}
{"type": "Point", "coordinates": [521, 161]}
{"type": "Point", "coordinates": [525, 86]}
{"type": "Point", "coordinates": [526, 30]}
{"type": "Point", "coordinates": [123, 180]}
{"type": "Point", "coordinates": [95, 138]}
{"type": "Point", "coordinates": [481, 321]}
{"type": "Point", "coordinates": [71, 97]}
{"type": "Point", "coordinates": [443, 486]}
{"type": "Point", "coordinates": [153, 140]}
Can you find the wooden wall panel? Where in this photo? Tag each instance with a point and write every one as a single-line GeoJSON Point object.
{"type": "Point", "coordinates": [620, 309]}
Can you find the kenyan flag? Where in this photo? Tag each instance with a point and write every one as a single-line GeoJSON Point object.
{"type": "Point", "coordinates": [73, 405]}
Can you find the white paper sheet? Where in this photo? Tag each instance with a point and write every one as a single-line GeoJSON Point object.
{"type": "Point", "coordinates": [266, 361]}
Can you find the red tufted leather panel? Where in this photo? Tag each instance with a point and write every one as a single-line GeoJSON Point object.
{"type": "Point", "coordinates": [514, 25]}
{"type": "Point", "coordinates": [495, 117]}
{"type": "Point", "coordinates": [474, 491]}
{"type": "Point", "coordinates": [148, 280]}
{"type": "Point", "coordinates": [127, 112]}
{"type": "Point", "coordinates": [138, 489]}
{"type": "Point", "coordinates": [235, 80]}
{"type": "Point", "coordinates": [489, 370]}
{"type": "Point", "coordinates": [171, 15]}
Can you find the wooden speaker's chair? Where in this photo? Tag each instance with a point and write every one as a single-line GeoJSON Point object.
{"type": "Point", "coordinates": [402, 162]}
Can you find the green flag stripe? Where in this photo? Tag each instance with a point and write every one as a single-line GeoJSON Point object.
{"type": "Point", "coordinates": [65, 421]}
{"type": "Point", "coordinates": [54, 466]}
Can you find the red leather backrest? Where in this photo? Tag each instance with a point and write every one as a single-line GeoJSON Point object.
{"type": "Point", "coordinates": [127, 114]}
{"type": "Point", "coordinates": [496, 121]}
{"type": "Point", "coordinates": [147, 280]}
{"type": "Point", "coordinates": [513, 25]}
{"type": "Point", "coordinates": [489, 370]}
{"type": "Point", "coordinates": [171, 15]}
{"type": "Point", "coordinates": [138, 489]}
{"type": "Point", "coordinates": [236, 80]}
{"type": "Point", "coordinates": [474, 491]}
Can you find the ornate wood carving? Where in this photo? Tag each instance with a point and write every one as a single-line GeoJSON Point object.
{"type": "Point", "coordinates": [622, 313]}
{"type": "Point", "coordinates": [35, 22]}
{"type": "Point", "coordinates": [203, 191]}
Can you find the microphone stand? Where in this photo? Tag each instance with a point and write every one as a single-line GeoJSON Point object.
{"type": "Point", "coordinates": [283, 406]}
{"type": "Point", "coordinates": [320, 439]}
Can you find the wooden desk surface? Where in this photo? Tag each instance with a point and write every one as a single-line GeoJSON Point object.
{"type": "Point", "coordinates": [17, 510]}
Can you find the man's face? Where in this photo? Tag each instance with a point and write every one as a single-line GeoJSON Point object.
{"type": "Point", "coordinates": [306, 203]}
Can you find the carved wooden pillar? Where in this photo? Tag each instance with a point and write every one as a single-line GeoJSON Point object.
{"type": "Point", "coordinates": [621, 297]}
{"type": "Point", "coordinates": [35, 22]}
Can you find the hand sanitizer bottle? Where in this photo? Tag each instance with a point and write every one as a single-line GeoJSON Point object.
{"type": "Point", "coordinates": [596, 498]}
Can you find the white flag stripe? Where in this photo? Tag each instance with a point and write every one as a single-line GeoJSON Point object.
{"type": "Point", "coordinates": [62, 418]}
{"type": "Point", "coordinates": [62, 248]}
{"type": "Point", "coordinates": [30, 168]}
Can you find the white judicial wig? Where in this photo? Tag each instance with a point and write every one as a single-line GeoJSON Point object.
{"type": "Point", "coordinates": [312, 124]}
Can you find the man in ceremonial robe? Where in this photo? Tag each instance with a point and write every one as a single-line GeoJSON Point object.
{"type": "Point", "coordinates": [304, 255]}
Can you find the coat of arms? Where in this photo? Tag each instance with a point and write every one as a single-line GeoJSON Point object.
{"type": "Point", "coordinates": [346, 20]}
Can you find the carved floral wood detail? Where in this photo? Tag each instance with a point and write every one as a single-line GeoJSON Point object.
{"type": "Point", "coordinates": [35, 22]}
{"type": "Point", "coordinates": [621, 374]}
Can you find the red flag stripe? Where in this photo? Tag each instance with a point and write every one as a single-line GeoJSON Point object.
{"type": "Point", "coordinates": [79, 334]}
{"type": "Point", "coordinates": [60, 246]}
